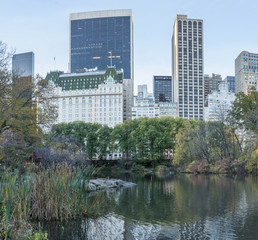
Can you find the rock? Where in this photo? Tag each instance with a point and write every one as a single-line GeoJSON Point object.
{"type": "Point", "coordinates": [101, 184]}
{"type": "Point", "coordinates": [91, 187]}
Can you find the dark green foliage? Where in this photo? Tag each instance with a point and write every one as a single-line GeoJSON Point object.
{"type": "Point", "coordinates": [93, 138]}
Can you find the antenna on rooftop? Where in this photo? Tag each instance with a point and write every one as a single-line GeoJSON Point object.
{"type": "Point", "coordinates": [110, 58]}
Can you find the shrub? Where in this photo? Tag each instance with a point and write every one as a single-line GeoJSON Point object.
{"type": "Point", "coordinates": [198, 166]}
{"type": "Point", "coordinates": [161, 169]}
{"type": "Point", "coordinates": [138, 168]}
{"type": "Point", "coordinates": [223, 165]}
{"type": "Point", "coordinates": [252, 164]}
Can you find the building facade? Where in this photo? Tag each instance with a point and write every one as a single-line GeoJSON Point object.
{"type": "Point", "coordinates": [23, 64]}
{"type": "Point", "coordinates": [231, 83]}
{"type": "Point", "coordinates": [246, 72]}
{"type": "Point", "coordinates": [211, 83]}
{"type": "Point", "coordinates": [187, 67]}
{"type": "Point", "coordinates": [89, 97]}
{"type": "Point", "coordinates": [104, 38]}
{"type": "Point", "coordinates": [142, 91]}
{"type": "Point", "coordinates": [168, 109]}
{"type": "Point", "coordinates": [144, 104]}
{"type": "Point", "coordinates": [219, 103]}
{"type": "Point", "coordinates": [162, 88]}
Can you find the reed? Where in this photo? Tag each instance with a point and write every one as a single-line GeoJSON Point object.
{"type": "Point", "coordinates": [56, 193]}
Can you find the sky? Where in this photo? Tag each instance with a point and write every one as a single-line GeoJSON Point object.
{"type": "Point", "coordinates": [42, 26]}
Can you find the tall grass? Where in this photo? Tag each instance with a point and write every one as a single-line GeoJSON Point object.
{"type": "Point", "coordinates": [58, 193]}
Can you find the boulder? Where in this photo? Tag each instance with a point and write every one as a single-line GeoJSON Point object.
{"type": "Point", "coordinates": [107, 184]}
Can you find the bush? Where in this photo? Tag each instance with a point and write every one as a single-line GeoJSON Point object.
{"type": "Point", "coordinates": [252, 164]}
{"type": "Point", "coordinates": [223, 165]}
{"type": "Point", "coordinates": [198, 166]}
{"type": "Point", "coordinates": [49, 158]}
{"type": "Point", "coordinates": [161, 169]}
{"type": "Point", "coordinates": [138, 168]}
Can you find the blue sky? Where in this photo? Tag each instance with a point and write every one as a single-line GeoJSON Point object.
{"type": "Point", "coordinates": [42, 26]}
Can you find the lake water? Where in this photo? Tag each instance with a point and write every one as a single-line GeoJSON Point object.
{"type": "Point", "coordinates": [180, 207]}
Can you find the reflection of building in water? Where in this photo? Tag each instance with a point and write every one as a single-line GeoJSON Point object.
{"type": "Point", "coordinates": [168, 188]}
{"type": "Point", "coordinates": [109, 227]}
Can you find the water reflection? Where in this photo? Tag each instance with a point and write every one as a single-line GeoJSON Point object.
{"type": "Point", "coordinates": [185, 207]}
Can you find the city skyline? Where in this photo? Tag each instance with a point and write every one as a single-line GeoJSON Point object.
{"type": "Point", "coordinates": [28, 29]}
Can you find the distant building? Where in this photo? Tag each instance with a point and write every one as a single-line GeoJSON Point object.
{"type": "Point", "coordinates": [142, 91]}
{"type": "Point", "coordinates": [167, 109]}
{"type": "Point", "coordinates": [144, 104]}
{"type": "Point", "coordinates": [246, 72]}
{"type": "Point", "coordinates": [231, 83]}
{"type": "Point", "coordinates": [90, 96]}
{"type": "Point", "coordinates": [211, 83]}
{"type": "Point", "coordinates": [219, 102]}
{"type": "Point", "coordinates": [187, 67]}
{"type": "Point", "coordinates": [162, 88]}
{"type": "Point", "coordinates": [23, 64]}
{"type": "Point", "coordinates": [104, 38]}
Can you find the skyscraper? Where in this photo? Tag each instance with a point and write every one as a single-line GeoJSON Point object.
{"type": "Point", "coordinates": [162, 88]}
{"type": "Point", "coordinates": [187, 67]}
{"type": "Point", "coordinates": [23, 64]}
{"type": "Point", "coordinates": [246, 72]}
{"type": "Point", "coordinates": [103, 38]}
{"type": "Point", "coordinates": [23, 73]}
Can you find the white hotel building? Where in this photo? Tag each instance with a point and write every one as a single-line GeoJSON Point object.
{"type": "Point", "coordinates": [98, 102]}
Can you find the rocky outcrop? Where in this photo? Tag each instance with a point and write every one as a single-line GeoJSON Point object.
{"type": "Point", "coordinates": [107, 184]}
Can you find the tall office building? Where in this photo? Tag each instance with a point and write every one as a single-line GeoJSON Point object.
{"type": "Point", "coordinates": [103, 38]}
{"type": "Point", "coordinates": [187, 67]}
{"type": "Point", "coordinates": [231, 83]}
{"type": "Point", "coordinates": [162, 88]}
{"type": "Point", "coordinates": [23, 64]}
{"type": "Point", "coordinates": [246, 72]}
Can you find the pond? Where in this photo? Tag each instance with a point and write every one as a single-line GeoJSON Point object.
{"type": "Point", "coordinates": [179, 207]}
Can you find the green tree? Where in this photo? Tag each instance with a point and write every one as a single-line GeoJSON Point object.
{"type": "Point", "coordinates": [93, 138]}
{"type": "Point", "coordinates": [245, 111]}
{"type": "Point", "coordinates": [122, 139]}
{"type": "Point", "coordinates": [104, 141]}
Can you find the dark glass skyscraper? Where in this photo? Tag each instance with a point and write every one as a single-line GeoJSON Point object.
{"type": "Point", "coordinates": [101, 39]}
{"type": "Point", "coordinates": [96, 37]}
{"type": "Point", "coordinates": [162, 88]}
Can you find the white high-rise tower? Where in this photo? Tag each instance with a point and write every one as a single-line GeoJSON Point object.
{"type": "Point", "coordinates": [187, 67]}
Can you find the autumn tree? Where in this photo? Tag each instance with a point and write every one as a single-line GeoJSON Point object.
{"type": "Point", "coordinates": [25, 106]}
